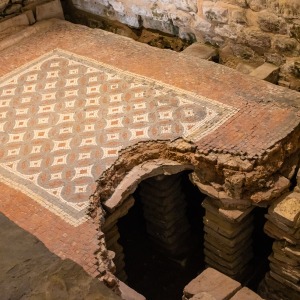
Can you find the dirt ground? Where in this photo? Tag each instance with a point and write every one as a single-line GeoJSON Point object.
{"type": "Point", "coordinates": [28, 270]}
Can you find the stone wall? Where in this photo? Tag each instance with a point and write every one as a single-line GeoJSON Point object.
{"type": "Point", "coordinates": [247, 31]}
{"type": "Point", "coordinates": [12, 7]}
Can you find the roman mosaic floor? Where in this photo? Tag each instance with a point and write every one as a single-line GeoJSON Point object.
{"type": "Point", "coordinates": [64, 119]}
{"type": "Point", "coordinates": [68, 108]}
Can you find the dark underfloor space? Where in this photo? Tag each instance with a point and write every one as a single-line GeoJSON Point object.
{"type": "Point", "coordinates": [262, 248]}
{"type": "Point", "coordinates": [149, 271]}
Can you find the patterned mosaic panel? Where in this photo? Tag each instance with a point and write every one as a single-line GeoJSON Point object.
{"type": "Point", "coordinates": [64, 118]}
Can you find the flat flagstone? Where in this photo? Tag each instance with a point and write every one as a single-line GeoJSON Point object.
{"type": "Point", "coordinates": [213, 282]}
{"type": "Point", "coordinates": [287, 210]}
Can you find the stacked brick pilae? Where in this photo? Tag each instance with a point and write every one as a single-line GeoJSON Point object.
{"type": "Point", "coordinates": [231, 231]}
{"type": "Point", "coordinates": [283, 280]}
{"type": "Point", "coordinates": [164, 209]}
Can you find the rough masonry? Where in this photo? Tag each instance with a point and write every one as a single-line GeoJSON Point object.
{"type": "Point", "coordinates": [246, 32]}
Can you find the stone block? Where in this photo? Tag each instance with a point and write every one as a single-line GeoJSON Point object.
{"type": "Point", "coordinates": [226, 249]}
{"type": "Point", "coordinates": [284, 83]}
{"type": "Point", "coordinates": [235, 215]}
{"type": "Point", "coordinates": [128, 18]}
{"type": "Point", "coordinates": [13, 9]}
{"type": "Point", "coordinates": [186, 5]}
{"type": "Point", "coordinates": [273, 289]}
{"type": "Point", "coordinates": [3, 4]}
{"type": "Point", "coordinates": [31, 5]}
{"type": "Point", "coordinates": [214, 283]}
{"type": "Point", "coordinates": [286, 253]}
{"type": "Point", "coordinates": [286, 282]}
{"type": "Point", "coordinates": [201, 51]}
{"type": "Point", "coordinates": [218, 238]}
{"type": "Point", "coordinates": [292, 231]}
{"type": "Point", "coordinates": [241, 3]}
{"type": "Point", "coordinates": [293, 252]}
{"type": "Point", "coordinates": [30, 16]}
{"type": "Point", "coordinates": [271, 23]}
{"type": "Point", "coordinates": [230, 31]}
{"type": "Point", "coordinates": [244, 68]}
{"type": "Point", "coordinates": [215, 13]}
{"type": "Point", "coordinates": [222, 222]}
{"type": "Point", "coordinates": [201, 25]}
{"type": "Point", "coordinates": [295, 30]}
{"type": "Point", "coordinates": [20, 20]}
{"type": "Point", "coordinates": [286, 8]}
{"type": "Point", "coordinates": [285, 271]}
{"type": "Point", "coordinates": [281, 258]}
{"type": "Point", "coordinates": [118, 213]}
{"type": "Point", "coordinates": [287, 210]}
{"type": "Point", "coordinates": [229, 253]}
{"type": "Point", "coordinates": [284, 44]}
{"type": "Point", "coordinates": [166, 26]}
{"type": "Point", "coordinates": [229, 233]}
{"type": "Point", "coordinates": [238, 16]}
{"type": "Point", "coordinates": [50, 10]}
{"type": "Point", "coordinates": [256, 5]}
{"type": "Point", "coordinates": [246, 294]}
{"type": "Point", "coordinates": [256, 40]}
{"type": "Point", "coordinates": [237, 273]}
{"type": "Point", "coordinates": [272, 230]}
{"type": "Point", "coordinates": [267, 72]}
{"type": "Point", "coordinates": [235, 264]}
{"type": "Point", "coordinates": [231, 215]}
{"type": "Point", "coordinates": [276, 59]}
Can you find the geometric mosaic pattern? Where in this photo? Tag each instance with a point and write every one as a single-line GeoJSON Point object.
{"type": "Point", "coordinates": [63, 119]}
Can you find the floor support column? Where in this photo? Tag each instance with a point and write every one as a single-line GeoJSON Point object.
{"type": "Point", "coordinates": [228, 239]}
{"type": "Point", "coordinates": [283, 280]}
{"type": "Point", "coordinates": [112, 235]}
{"type": "Point", "coordinates": [164, 209]}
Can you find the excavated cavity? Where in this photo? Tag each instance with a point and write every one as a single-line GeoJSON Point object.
{"type": "Point", "coordinates": [262, 248]}
{"type": "Point", "coordinates": [226, 178]}
{"type": "Point", "coordinates": [162, 237]}
{"type": "Point", "coordinates": [158, 237]}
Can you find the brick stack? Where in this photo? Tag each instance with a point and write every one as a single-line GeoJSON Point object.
{"type": "Point", "coordinates": [228, 239]}
{"type": "Point", "coordinates": [283, 280]}
{"type": "Point", "coordinates": [112, 235]}
{"type": "Point", "coordinates": [165, 213]}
